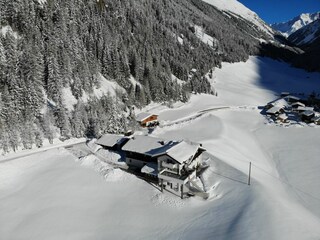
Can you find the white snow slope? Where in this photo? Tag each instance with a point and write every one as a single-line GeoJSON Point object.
{"type": "Point", "coordinates": [233, 6]}
{"type": "Point", "coordinates": [54, 196]}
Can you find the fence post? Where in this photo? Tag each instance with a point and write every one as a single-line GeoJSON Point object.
{"type": "Point", "coordinates": [249, 174]}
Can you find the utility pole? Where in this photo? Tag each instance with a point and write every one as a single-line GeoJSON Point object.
{"type": "Point", "coordinates": [249, 174]}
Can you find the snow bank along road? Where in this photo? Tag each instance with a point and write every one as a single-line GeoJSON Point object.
{"type": "Point", "coordinates": [30, 152]}
{"type": "Point", "coordinates": [64, 198]}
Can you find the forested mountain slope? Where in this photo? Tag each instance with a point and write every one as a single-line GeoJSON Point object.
{"type": "Point", "coordinates": [51, 47]}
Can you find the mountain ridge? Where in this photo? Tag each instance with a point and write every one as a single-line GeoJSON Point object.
{"type": "Point", "coordinates": [307, 34]}
{"type": "Point", "coordinates": [289, 27]}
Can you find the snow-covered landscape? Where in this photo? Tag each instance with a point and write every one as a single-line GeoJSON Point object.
{"type": "Point", "coordinates": [70, 193]}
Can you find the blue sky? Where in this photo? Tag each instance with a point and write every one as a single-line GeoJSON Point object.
{"type": "Point", "coordinates": [272, 11]}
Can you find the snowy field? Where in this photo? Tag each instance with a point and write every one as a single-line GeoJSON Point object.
{"type": "Point", "coordinates": [54, 195]}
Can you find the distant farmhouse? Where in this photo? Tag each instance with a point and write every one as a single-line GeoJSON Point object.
{"type": "Point", "coordinates": [172, 163]}
{"type": "Point", "coordinates": [146, 119]}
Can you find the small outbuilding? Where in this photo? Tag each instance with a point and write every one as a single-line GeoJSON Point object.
{"type": "Point", "coordinates": [112, 141]}
{"type": "Point", "coordinates": [146, 119]}
{"type": "Point", "coordinates": [307, 116]}
{"type": "Point", "coordinates": [283, 118]}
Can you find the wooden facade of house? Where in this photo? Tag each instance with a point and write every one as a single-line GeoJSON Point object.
{"type": "Point", "coordinates": [147, 119]}
{"type": "Point", "coordinates": [151, 120]}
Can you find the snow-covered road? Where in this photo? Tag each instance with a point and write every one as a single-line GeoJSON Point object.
{"type": "Point", "coordinates": [26, 153]}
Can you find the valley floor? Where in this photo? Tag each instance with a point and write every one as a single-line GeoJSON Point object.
{"type": "Point", "coordinates": [51, 195]}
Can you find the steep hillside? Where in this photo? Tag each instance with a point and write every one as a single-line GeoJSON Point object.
{"type": "Point", "coordinates": [237, 9]}
{"type": "Point", "coordinates": [88, 198]}
{"type": "Point", "coordinates": [291, 26]}
{"type": "Point", "coordinates": [302, 32]}
{"type": "Point", "coordinates": [308, 39]}
{"type": "Point", "coordinates": [57, 57]}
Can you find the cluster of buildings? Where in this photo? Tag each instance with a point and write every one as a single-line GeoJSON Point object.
{"type": "Point", "coordinates": [173, 164]}
{"type": "Point", "coordinates": [281, 109]}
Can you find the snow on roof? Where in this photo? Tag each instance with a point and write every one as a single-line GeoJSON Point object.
{"type": "Point", "coordinates": [142, 116]}
{"type": "Point", "coordinates": [150, 168]}
{"type": "Point", "coordinates": [292, 97]}
{"type": "Point", "coordinates": [283, 116]}
{"type": "Point", "coordinates": [148, 145]}
{"type": "Point", "coordinates": [110, 140]}
{"type": "Point", "coordinates": [280, 103]}
{"type": "Point", "coordinates": [183, 151]}
{"type": "Point", "coordinates": [274, 110]}
{"type": "Point", "coordinates": [300, 108]}
{"type": "Point", "coordinates": [308, 113]}
{"type": "Point", "coordinates": [298, 104]}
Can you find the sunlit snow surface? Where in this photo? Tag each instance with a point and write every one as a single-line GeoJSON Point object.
{"type": "Point", "coordinates": [55, 195]}
{"type": "Point", "coordinates": [238, 8]}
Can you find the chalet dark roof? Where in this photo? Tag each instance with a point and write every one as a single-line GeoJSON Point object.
{"type": "Point", "coordinates": [180, 151]}
{"type": "Point", "coordinates": [110, 140]}
{"type": "Point", "coordinates": [142, 116]}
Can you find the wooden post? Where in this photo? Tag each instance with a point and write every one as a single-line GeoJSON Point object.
{"type": "Point", "coordinates": [181, 191]}
{"type": "Point", "coordinates": [161, 182]}
{"type": "Point", "coordinates": [249, 174]}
